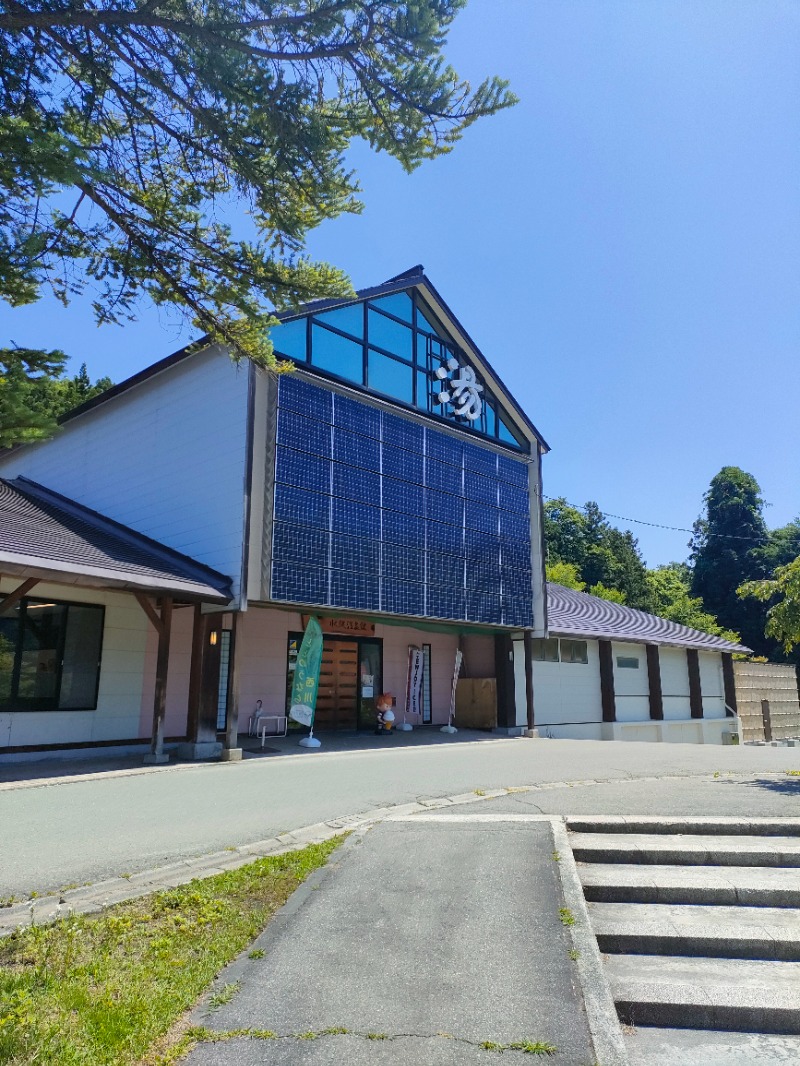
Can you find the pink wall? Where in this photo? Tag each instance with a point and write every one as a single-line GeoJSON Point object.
{"type": "Point", "coordinates": [180, 657]}
{"type": "Point", "coordinates": [261, 653]}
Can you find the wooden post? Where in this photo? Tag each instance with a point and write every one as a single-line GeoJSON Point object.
{"type": "Point", "coordinates": [195, 675]}
{"type": "Point", "coordinates": [504, 673]}
{"type": "Point", "coordinates": [13, 598]}
{"type": "Point", "coordinates": [160, 697]}
{"type": "Point", "coordinates": [767, 719]}
{"type": "Point", "coordinates": [729, 681]}
{"type": "Point", "coordinates": [695, 691]}
{"type": "Point", "coordinates": [526, 641]}
{"type": "Point", "coordinates": [654, 682]}
{"type": "Point", "coordinates": [607, 694]}
{"type": "Point", "coordinates": [231, 752]}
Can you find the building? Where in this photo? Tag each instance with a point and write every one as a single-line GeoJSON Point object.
{"type": "Point", "coordinates": [161, 552]}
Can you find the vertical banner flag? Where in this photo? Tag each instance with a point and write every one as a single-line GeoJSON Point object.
{"type": "Point", "coordinates": [306, 675]}
{"type": "Point", "coordinates": [456, 672]}
{"type": "Point", "coordinates": [414, 688]}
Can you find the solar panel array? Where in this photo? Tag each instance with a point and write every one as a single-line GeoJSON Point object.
{"type": "Point", "coordinates": [376, 512]}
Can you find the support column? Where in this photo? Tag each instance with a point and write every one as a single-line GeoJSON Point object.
{"type": "Point", "coordinates": [729, 681]}
{"type": "Point", "coordinates": [526, 641]}
{"type": "Point", "coordinates": [506, 696]}
{"type": "Point", "coordinates": [695, 691]}
{"type": "Point", "coordinates": [164, 629]}
{"type": "Point", "coordinates": [654, 682]}
{"type": "Point", "coordinates": [231, 752]}
{"type": "Point", "coordinates": [607, 694]}
{"type": "Point", "coordinates": [201, 723]}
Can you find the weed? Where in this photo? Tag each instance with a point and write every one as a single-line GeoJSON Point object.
{"type": "Point", "coordinates": [107, 990]}
{"type": "Point", "coordinates": [556, 856]}
{"type": "Point", "coordinates": [480, 791]}
{"type": "Point", "coordinates": [533, 1047]}
{"type": "Point", "coordinates": [566, 916]}
{"type": "Point", "coordinates": [490, 1045]}
{"type": "Point", "coordinates": [574, 954]}
{"type": "Point", "coordinates": [256, 953]}
{"type": "Point", "coordinates": [377, 1036]}
{"type": "Point", "coordinates": [335, 1030]}
{"type": "Point", "coordinates": [309, 1035]}
{"type": "Point", "coordinates": [225, 995]}
{"type": "Point", "coordinates": [716, 773]}
{"type": "Point", "coordinates": [793, 773]}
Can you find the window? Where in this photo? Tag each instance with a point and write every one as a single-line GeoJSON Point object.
{"type": "Point", "coordinates": [544, 651]}
{"type": "Point", "coordinates": [627, 662]}
{"type": "Point", "coordinates": [390, 376]}
{"type": "Point", "coordinates": [224, 672]}
{"type": "Point", "coordinates": [390, 335]}
{"type": "Point", "coordinates": [574, 651]}
{"type": "Point", "coordinates": [50, 656]}
{"type": "Point", "coordinates": [290, 339]}
{"type": "Point", "coordinates": [336, 354]}
{"type": "Point", "coordinates": [349, 319]}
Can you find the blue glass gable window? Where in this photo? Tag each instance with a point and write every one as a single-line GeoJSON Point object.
{"type": "Point", "coordinates": [392, 347]}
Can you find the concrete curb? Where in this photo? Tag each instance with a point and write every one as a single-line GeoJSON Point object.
{"type": "Point", "coordinates": [601, 1012]}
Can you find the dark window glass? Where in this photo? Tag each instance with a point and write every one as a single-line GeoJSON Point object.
{"type": "Point", "coordinates": [81, 657]}
{"type": "Point", "coordinates": [545, 651]}
{"type": "Point", "coordinates": [627, 662]}
{"type": "Point", "coordinates": [426, 683]}
{"type": "Point", "coordinates": [422, 350]}
{"type": "Point", "coordinates": [491, 419]}
{"type": "Point", "coordinates": [399, 304]}
{"type": "Point", "coordinates": [50, 656]}
{"type": "Point", "coordinates": [336, 354]}
{"type": "Point", "coordinates": [386, 333]}
{"type": "Point", "coordinates": [349, 319]}
{"type": "Point", "coordinates": [390, 377]}
{"type": "Point", "coordinates": [574, 651]}
{"type": "Point", "coordinates": [424, 321]}
{"type": "Point", "coordinates": [507, 434]}
{"type": "Point", "coordinates": [289, 339]}
{"type": "Point", "coordinates": [9, 634]}
{"type": "Point", "coordinates": [42, 628]}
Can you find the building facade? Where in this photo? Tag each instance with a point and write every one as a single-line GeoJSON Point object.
{"type": "Point", "coordinates": [390, 485]}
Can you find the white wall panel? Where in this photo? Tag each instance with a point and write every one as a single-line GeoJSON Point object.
{"type": "Point", "coordinates": [166, 458]}
{"type": "Point", "coordinates": [568, 693]}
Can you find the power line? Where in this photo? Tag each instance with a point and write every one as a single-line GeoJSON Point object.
{"type": "Point", "coordinates": [656, 525]}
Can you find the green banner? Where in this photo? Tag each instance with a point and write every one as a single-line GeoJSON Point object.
{"type": "Point", "coordinates": [306, 675]}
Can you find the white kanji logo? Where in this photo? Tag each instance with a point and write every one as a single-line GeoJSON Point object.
{"type": "Point", "coordinates": [461, 390]}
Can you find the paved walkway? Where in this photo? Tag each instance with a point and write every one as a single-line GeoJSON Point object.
{"type": "Point", "coordinates": [422, 944]}
{"type": "Point", "coordinates": [55, 832]}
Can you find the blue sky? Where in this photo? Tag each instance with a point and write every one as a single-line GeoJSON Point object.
{"type": "Point", "coordinates": [624, 246]}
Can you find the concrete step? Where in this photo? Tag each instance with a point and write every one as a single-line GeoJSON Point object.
{"type": "Point", "coordinates": [733, 994]}
{"type": "Point", "coordinates": [718, 826]}
{"type": "Point", "coordinates": [677, 1047]}
{"type": "Point", "coordinates": [681, 850]}
{"type": "Point", "coordinates": [711, 932]}
{"type": "Point", "coordinates": [720, 885]}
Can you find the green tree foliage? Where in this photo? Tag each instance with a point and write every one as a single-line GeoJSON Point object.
{"type": "Point", "coordinates": [566, 574]}
{"type": "Point", "coordinates": [128, 129]}
{"type": "Point", "coordinates": [783, 616]}
{"type": "Point", "coordinates": [607, 560]}
{"type": "Point", "coordinates": [727, 549]}
{"type": "Point", "coordinates": [671, 598]}
{"type": "Point", "coordinates": [22, 372]}
{"type": "Point", "coordinates": [57, 397]}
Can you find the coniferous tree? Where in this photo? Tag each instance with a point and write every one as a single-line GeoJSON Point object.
{"type": "Point", "coordinates": [727, 550]}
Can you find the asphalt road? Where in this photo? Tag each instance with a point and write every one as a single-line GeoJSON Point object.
{"type": "Point", "coordinates": [54, 833]}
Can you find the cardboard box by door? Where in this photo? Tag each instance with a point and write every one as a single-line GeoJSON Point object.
{"type": "Point", "coordinates": [476, 703]}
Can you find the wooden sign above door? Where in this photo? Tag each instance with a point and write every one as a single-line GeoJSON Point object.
{"type": "Point", "coordinates": [348, 627]}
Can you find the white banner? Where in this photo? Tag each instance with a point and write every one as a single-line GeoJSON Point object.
{"type": "Point", "coordinates": [414, 688]}
{"type": "Point", "coordinates": [456, 672]}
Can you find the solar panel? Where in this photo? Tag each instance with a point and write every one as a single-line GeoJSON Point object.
{"type": "Point", "coordinates": [377, 512]}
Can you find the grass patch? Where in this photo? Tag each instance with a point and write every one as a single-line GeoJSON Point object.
{"type": "Point", "coordinates": [793, 773]}
{"type": "Point", "coordinates": [103, 990]}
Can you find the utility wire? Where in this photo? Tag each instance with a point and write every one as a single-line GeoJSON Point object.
{"type": "Point", "coordinates": [658, 525]}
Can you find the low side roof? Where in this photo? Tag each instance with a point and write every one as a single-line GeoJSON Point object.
{"type": "Point", "coordinates": [46, 535]}
{"type": "Point", "coordinates": [577, 614]}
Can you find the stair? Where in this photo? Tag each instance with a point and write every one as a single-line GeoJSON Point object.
{"type": "Point", "coordinates": [698, 921]}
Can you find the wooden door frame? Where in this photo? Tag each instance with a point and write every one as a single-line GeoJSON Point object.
{"type": "Point", "coordinates": [348, 639]}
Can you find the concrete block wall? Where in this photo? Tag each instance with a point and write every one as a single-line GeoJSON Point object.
{"type": "Point", "coordinates": [776, 682]}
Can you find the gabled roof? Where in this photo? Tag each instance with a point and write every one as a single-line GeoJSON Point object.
{"type": "Point", "coordinates": [414, 277]}
{"type": "Point", "coordinates": [46, 535]}
{"type": "Point", "coordinates": [577, 614]}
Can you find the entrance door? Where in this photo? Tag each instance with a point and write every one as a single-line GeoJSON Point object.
{"type": "Point", "coordinates": [369, 680]}
{"type": "Point", "coordinates": [338, 686]}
